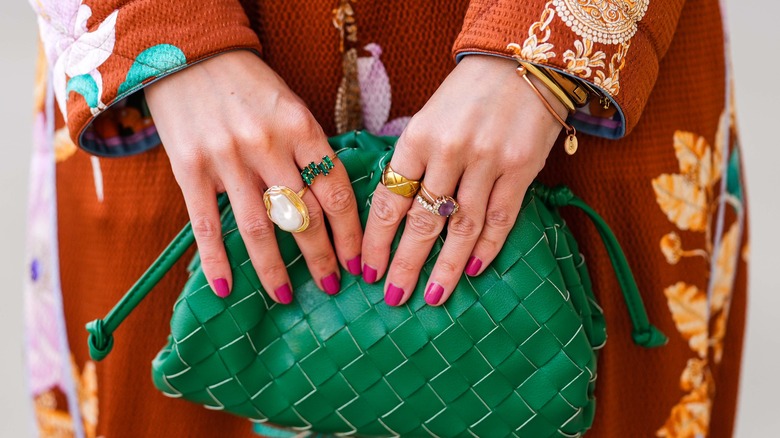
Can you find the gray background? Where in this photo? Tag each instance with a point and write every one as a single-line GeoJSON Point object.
{"type": "Point", "coordinates": [755, 40]}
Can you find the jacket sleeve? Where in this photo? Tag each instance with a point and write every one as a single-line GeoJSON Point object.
{"type": "Point", "coordinates": [101, 53]}
{"type": "Point", "coordinates": [614, 45]}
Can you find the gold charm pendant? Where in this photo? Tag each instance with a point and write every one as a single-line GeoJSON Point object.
{"type": "Point", "coordinates": [571, 144]}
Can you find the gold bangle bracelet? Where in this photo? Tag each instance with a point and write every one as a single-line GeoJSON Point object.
{"type": "Point", "coordinates": [571, 86]}
{"type": "Point", "coordinates": [556, 89]}
{"type": "Point", "coordinates": [571, 140]}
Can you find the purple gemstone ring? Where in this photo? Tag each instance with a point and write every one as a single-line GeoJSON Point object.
{"type": "Point", "coordinates": [439, 205]}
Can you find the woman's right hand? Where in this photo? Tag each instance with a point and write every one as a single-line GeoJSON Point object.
{"type": "Point", "coordinates": [230, 124]}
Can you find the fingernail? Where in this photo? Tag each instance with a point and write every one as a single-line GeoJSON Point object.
{"type": "Point", "coordinates": [284, 294]}
{"type": "Point", "coordinates": [433, 293]}
{"type": "Point", "coordinates": [331, 284]}
{"type": "Point", "coordinates": [221, 287]}
{"type": "Point", "coordinates": [353, 266]}
{"type": "Point", "coordinates": [393, 295]}
{"type": "Point", "coordinates": [369, 274]}
{"type": "Point", "coordinates": [473, 265]}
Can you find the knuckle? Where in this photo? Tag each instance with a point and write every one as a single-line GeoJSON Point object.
{"type": "Point", "coordinates": [205, 227]}
{"type": "Point", "coordinates": [224, 148]}
{"type": "Point", "coordinates": [194, 159]}
{"type": "Point", "coordinates": [250, 132]}
{"type": "Point", "coordinates": [322, 260]}
{"type": "Point", "coordinates": [490, 244]}
{"type": "Point", "coordinates": [499, 218]}
{"type": "Point", "coordinates": [423, 223]}
{"type": "Point", "coordinates": [211, 259]}
{"type": "Point", "coordinates": [272, 272]}
{"type": "Point", "coordinates": [350, 239]}
{"type": "Point", "coordinates": [403, 266]}
{"type": "Point", "coordinates": [258, 228]}
{"type": "Point", "coordinates": [463, 225]}
{"type": "Point", "coordinates": [447, 268]}
{"type": "Point", "coordinates": [385, 210]}
{"type": "Point", "coordinates": [340, 199]}
{"type": "Point", "coordinates": [298, 119]}
{"type": "Point", "coordinates": [415, 133]}
{"type": "Point", "coordinates": [450, 149]}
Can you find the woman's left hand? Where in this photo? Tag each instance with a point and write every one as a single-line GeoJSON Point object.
{"type": "Point", "coordinates": [484, 133]}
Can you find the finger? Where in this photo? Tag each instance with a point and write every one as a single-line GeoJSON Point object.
{"type": "Point", "coordinates": [200, 199]}
{"type": "Point", "coordinates": [337, 200]}
{"type": "Point", "coordinates": [386, 212]}
{"type": "Point", "coordinates": [244, 190]}
{"type": "Point", "coordinates": [421, 231]}
{"type": "Point", "coordinates": [500, 217]}
{"type": "Point", "coordinates": [314, 242]}
{"type": "Point", "coordinates": [463, 230]}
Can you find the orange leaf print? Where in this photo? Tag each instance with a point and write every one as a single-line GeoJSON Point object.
{"type": "Point", "coordinates": [721, 137]}
{"type": "Point", "coordinates": [688, 305]}
{"type": "Point", "coordinates": [718, 334]}
{"type": "Point", "coordinates": [690, 418]}
{"type": "Point", "coordinates": [684, 202]}
{"type": "Point", "coordinates": [695, 157]}
{"type": "Point", "coordinates": [671, 246]}
{"type": "Point", "coordinates": [64, 147]}
{"type": "Point", "coordinates": [725, 268]}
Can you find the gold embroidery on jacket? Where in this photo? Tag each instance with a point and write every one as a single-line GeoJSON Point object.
{"type": "Point", "coordinates": [602, 21]}
{"type": "Point", "coordinates": [610, 22]}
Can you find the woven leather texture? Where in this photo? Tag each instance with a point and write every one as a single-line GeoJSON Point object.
{"type": "Point", "coordinates": [512, 353]}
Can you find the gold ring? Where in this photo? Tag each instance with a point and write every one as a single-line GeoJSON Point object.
{"type": "Point", "coordinates": [399, 184]}
{"type": "Point", "coordinates": [286, 208]}
{"type": "Point", "coordinates": [439, 205]}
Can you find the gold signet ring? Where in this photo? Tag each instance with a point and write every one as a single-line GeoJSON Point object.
{"type": "Point", "coordinates": [399, 184]}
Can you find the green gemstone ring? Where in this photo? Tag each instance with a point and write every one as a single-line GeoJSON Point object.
{"type": "Point", "coordinates": [312, 170]}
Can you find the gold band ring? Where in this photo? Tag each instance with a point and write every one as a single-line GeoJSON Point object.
{"type": "Point", "coordinates": [399, 184]}
{"type": "Point", "coordinates": [439, 205]}
{"type": "Point", "coordinates": [286, 208]}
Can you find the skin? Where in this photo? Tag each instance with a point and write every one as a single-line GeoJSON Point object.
{"type": "Point", "coordinates": [483, 132]}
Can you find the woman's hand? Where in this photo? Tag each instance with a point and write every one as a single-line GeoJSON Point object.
{"type": "Point", "coordinates": [484, 133]}
{"type": "Point", "coordinates": [231, 124]}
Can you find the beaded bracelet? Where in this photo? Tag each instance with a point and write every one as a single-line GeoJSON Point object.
{"type": "Point", "coordinates": [570, 145]}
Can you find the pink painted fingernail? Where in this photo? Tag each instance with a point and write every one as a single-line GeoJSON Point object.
{"type": "Point", "coordinates": [473, 265]}
{"type": "Point", "coordinates": [331, 284]}
{"type": "Point", "coordinates": [353, 265]}
{"type": "Point", "coordinates": [433, 293]}
{"type": "Point", "coordinates": [369, 274]}
{"type": "Point", "coordinates": [284, 294]}
{"type": "Point", "coordinates": [393, 295]}
{"type": "Point", "coordinates": [221, 287]}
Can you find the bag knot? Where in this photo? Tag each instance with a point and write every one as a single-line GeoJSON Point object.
{"type": "Point", "coordinates": [100, 342]}
{"type": "Point", "coordinates": [559, 196]}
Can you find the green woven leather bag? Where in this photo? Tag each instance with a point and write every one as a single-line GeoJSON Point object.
{"type": "Point", "coordinates": [513, 352]}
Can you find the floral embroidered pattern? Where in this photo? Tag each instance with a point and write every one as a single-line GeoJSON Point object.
{"type": "Point", "coordinates": [54, 420]}
{"type": "Point", "coordinates": [700, 312]}
{"type": "Point", "coordinates": [603, 21]}
{"type": "Point", "coordinates": [611, 83]}
{"type": "Point", "coordinates": [74, 51]}
{"type": "Point", "coordinates": [584, 61]}
{"type": "Point", "coordinates": [376, 94]}
{"type": "Point", "coordinates": [536, 48]}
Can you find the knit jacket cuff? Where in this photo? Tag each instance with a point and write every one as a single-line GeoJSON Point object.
{"type": "Point", "coordinates": [119, 47]}
{"type": "Point", "coordinates": [616, 50]}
